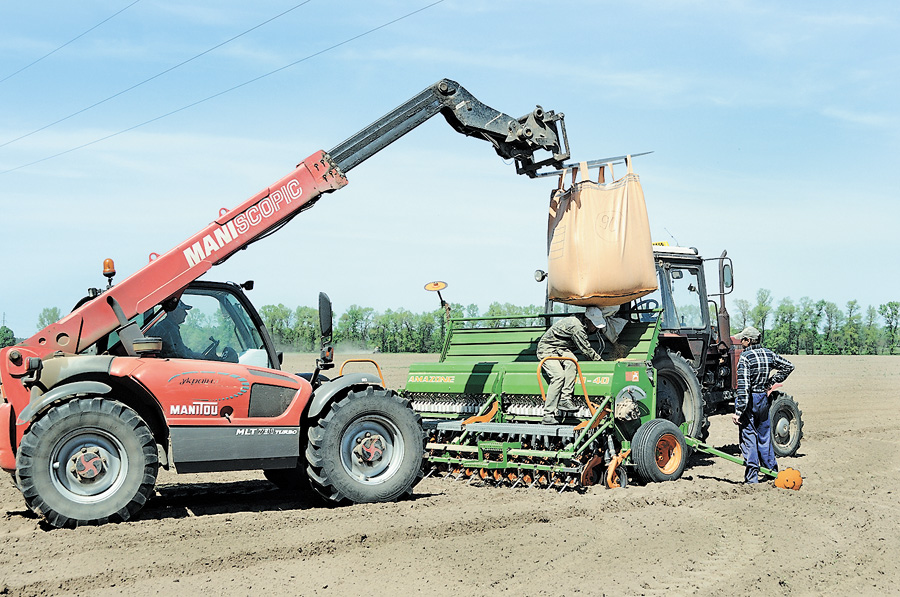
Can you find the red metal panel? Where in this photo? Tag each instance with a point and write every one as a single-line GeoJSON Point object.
{"type": "Point", "coordinates": [7, 455]}
{"type": "Point", "coordinates": [196, 392]}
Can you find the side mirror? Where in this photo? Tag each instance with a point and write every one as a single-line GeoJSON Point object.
{"type": "Point", "coordinates": [325, 317]}
{"type": "Point", "coordinates": [325, 325]}
{"type": "Point", "coordinates": [727, 278]}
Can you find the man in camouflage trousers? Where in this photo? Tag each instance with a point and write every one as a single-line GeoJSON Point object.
{"type": "Point", "coordinates": [560, 340]}
{"type": "Point", "coordinates": [751, 404]}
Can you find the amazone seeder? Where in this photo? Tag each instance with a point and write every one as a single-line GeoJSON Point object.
{"type": "Point", "coordinates": [482, 406]}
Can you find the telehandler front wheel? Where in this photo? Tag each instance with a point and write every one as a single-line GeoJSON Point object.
{"type": "Point", "coordinates": [659, 451]}
{"type": "Point", "coordinates": [88, 461]}
{"type": "Point", "coordinates": [367, 447]}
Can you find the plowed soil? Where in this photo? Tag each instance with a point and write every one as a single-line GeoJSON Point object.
{"type": "Point", "coordinates": [704, 534]}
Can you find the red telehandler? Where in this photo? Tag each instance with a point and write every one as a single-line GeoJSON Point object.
{"type": "Point", "coordinates": [93, 404]}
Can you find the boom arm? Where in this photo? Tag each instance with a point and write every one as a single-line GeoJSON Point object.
{"type": "Point", "coordinates": [167, 275]}
{"type": "Point", "coordinates": [512, 138]}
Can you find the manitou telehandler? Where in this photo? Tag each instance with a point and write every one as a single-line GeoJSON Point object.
{"type": "Point", "coordinates": [93, 404]}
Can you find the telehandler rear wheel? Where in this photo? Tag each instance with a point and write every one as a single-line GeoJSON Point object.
{"type": "Point", "coordinates": [88, 461]}
{"type": "Point", "coordinates": [786, 423]}
{"type": "Point", "coordinates": [368, 447]}
{"type": "Point", "coordinates": [658, 451]}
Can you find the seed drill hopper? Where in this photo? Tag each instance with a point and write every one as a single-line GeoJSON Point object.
{"type": "Point", "coordinates": [482, 406]}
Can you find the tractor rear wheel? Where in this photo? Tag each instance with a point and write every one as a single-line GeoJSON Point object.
{"type": "Point", "coordinates": [658, 451]}
{"type": "Point", "coordinates": [367, 447]}
{"type": "Point", "coordinates": [786, 423]}
{"type": "Point", "coordinates": [88, 461]}
{"type": "Point", "coordinates": [678, 394]}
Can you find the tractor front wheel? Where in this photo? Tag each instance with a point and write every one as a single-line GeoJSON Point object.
{"type": "Point", "coordinates": [786, 423]}
{"type": "Point", "coordinates": [88, 461]}
{"type": "Point", "coordinates": [367, 447]}
{"type": "Point", "coordinates": [659, 451]}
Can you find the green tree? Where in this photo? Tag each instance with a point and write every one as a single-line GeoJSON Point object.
{"type": "Point", "coordinates": [387, 330]}
{"type": "Point", "coordinates": [353, 326]}
{"type": "Point", "coordinates": [762, 309]}
{"type": "Point", "coordinates": [783, 337]}
{"type": "Point", "coordinates": [305, 329]}
{"type": "Point", "coordinates": [743, 313]}
{"type": "Point", "coordinates": [7, 337]}
{"type": "Point", "coordinates": [834, 321]}
{"type": "Point", "coordinates": [870, 331]}
{"type": "Point", "coordinates": [278, 321]}
{"type": "Point", "coordinates": [891, 313]}
{"type": "Point", "coordinates": [807, 324]}
{"type": "Point", "coordinates": [852, 329]}
{"type": "Point", "coordinates": [48, 315]}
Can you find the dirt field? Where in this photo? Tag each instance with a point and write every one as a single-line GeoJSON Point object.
{"type": "Point", "coordinates": [705, 534]}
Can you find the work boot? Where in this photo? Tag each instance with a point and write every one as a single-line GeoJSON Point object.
{"type": "Point", "coordinates": [568, 405]}
{"type": "Point", "coordinates": [550, 420]}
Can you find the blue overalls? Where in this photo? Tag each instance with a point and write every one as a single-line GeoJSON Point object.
{"type": "Point", "coordinates": [756, 437]}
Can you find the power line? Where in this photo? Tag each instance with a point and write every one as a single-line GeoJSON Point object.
{"type": "Point", "coordinates": [156, 76]}
{"type": "Point", "coordinates": [68, 42]}
{"type": "Point", "coordinates": [230, 89]}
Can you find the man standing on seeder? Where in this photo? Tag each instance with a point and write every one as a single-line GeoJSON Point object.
{"type": "Point", "coordinates": [559, 341]}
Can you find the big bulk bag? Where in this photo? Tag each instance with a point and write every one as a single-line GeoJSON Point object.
{"type": "Point", "coordinates": [599, 250]}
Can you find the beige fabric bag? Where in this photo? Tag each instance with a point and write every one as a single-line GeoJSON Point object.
{"type": "Point", "coordinates": [599, 250]}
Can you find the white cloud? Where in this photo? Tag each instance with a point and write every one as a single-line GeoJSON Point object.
{"type": "Point", "coordinates": [868, 119]}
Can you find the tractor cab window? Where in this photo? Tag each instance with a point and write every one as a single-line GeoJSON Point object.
{"type": "Point", "coordinates": [679, 297]}
{"type": "Point", "coordinates": [209, 325]}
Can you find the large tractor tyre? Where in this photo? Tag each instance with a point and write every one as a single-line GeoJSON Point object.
{"type": "Point", "coordinates": [87, 461]}
{"type": "Point", "coordinates": [367, 447]}
{"type": "Point", "coordinates": [289, 479]}
{"type": "Point", "coordinates": [658, 451]}
{"type": "Point", "coordinates": [678, 394]}
{"type": "Point", "coordinates": [786, 423]}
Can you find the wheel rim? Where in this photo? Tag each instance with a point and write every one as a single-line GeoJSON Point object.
{"type": "Point", "coordinates": [88, 465]}
{"type": "Point", "coordinates": [371, 449]}
{"type": "Point", "coordinates": [783, 426]}
{"type": "Point", "coordinates": [670, 398]}
{"type": "Point", "coordinates": [668, 454]}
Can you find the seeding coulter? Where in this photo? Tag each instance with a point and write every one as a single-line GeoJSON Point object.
{"type": "Point", "coordinates": [482, 405]}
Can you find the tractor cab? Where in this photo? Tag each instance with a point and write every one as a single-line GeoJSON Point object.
{"type": "Point", "coordinates": [685, 316]}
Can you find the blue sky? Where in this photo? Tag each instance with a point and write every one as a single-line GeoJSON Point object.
{"type": "Point", "coordinates": [774, 128]}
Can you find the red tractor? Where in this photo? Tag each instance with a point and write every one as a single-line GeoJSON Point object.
{"type": "Point", "coordinates": [697, 357]}
{"type": "Point", "coordinates": [93, 404]}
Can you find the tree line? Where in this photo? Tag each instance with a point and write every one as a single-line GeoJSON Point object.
{"type": "Point", "coordinates": [788, 327]}
{"type": "Point", "coordinates": [397, 330]}
{"type": "Point", "coordinates": [820, 327]}
{"type": "Point", "coordinates": [802, 327]}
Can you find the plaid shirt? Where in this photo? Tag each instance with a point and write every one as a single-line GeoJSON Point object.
{"type": "Point", "coordinates": [754, 366]}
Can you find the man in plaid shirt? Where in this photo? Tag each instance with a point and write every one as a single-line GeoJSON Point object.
{"type": "Point", "coordinates": [751, 404]}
